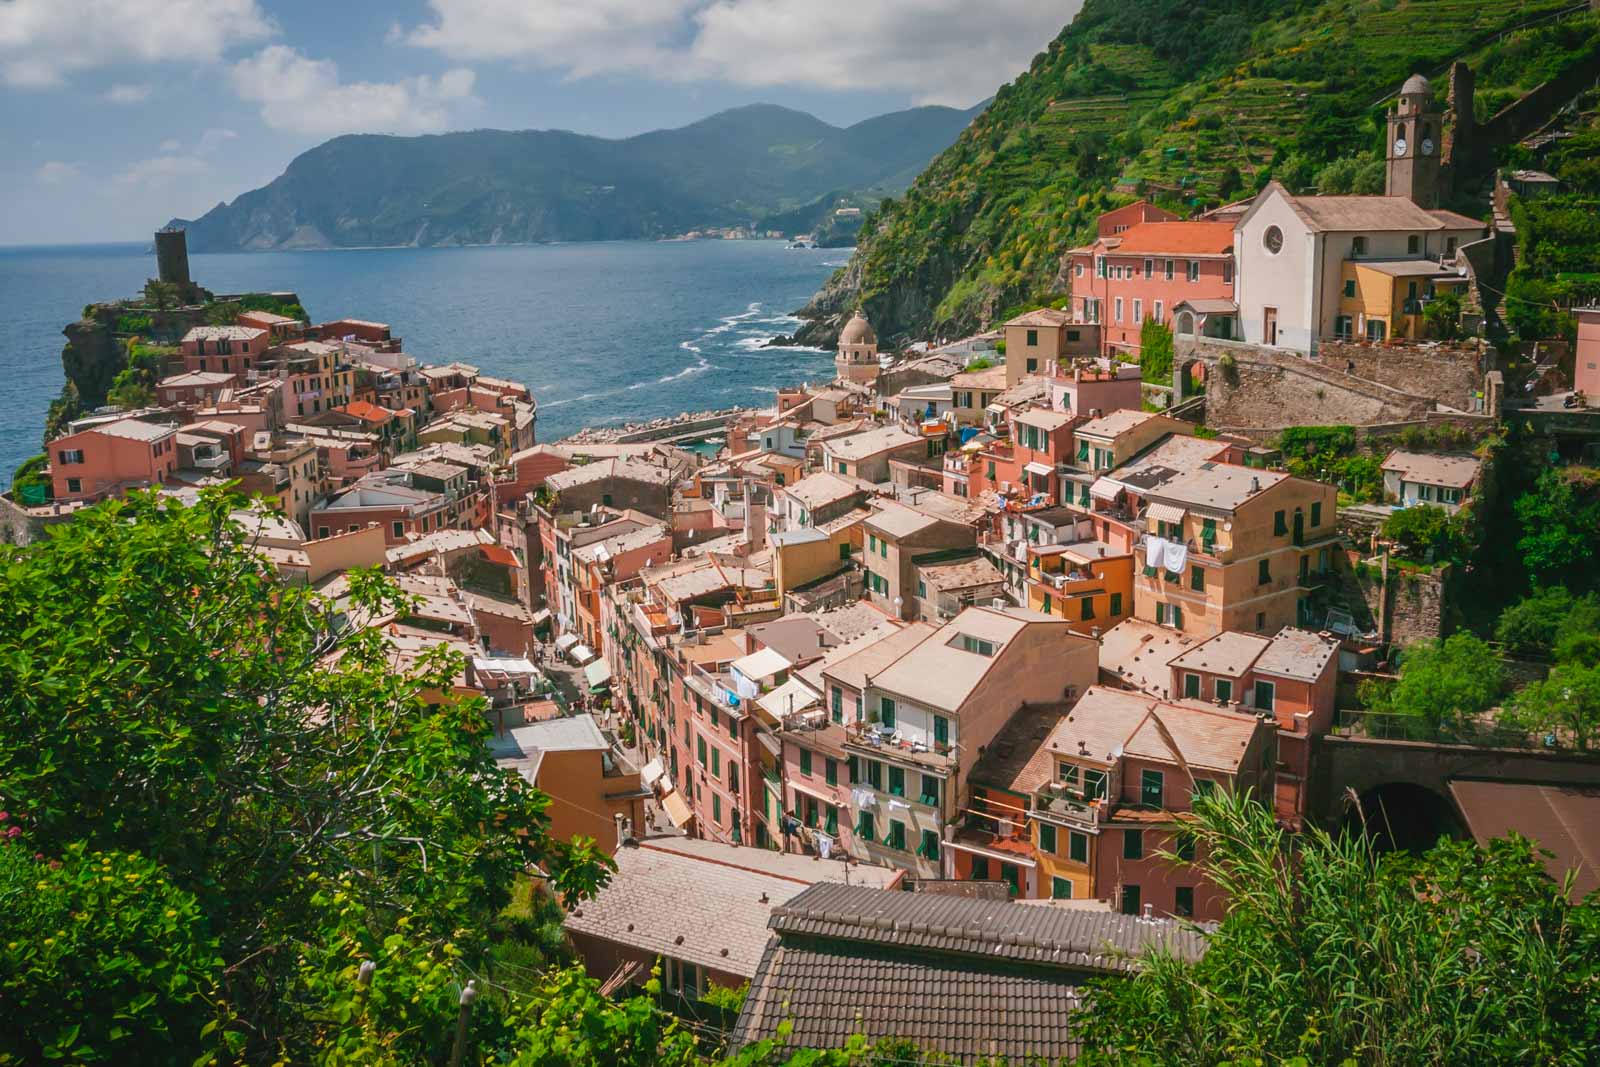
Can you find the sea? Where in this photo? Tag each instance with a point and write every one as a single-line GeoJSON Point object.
{"type": "Point", "coordinates": [604, 333]}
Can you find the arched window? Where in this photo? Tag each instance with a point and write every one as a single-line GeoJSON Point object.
{"type": "Point", "coordinates": [1185, 323]}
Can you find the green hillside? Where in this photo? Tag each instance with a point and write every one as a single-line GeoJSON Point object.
{"type": "Point", "coordinates": [1189, 103]}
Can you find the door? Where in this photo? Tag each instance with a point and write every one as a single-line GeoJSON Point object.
{"type": "Point", "coordinates": [1269, 326]}
{"type": "Point", "coordinates": [1299, 527]}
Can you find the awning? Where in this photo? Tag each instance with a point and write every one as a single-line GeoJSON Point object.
{"type": "Point", "coordinates": [813, 792]}
{"type": "Point", "coordinates": [566, 641]}
{"type": "Point", "coordinates": [1044, 470]}
{"type": "Point", "coordinates": [1004, 857]}
{"type": "Point", "coordinates": [597, 673]}
{"type": "Point", "coordinates": [582, 654]}
{"type": "Point", "coordinates": [678, 811]}
{"type": "Point", "coordinates": [541, 616]}
{"type": "Point", "coordinates": [1165, 513]}
{"type": "Point", "coordinates": [651, 773]}
{"type": "Point", "coordinates": [1104, 489]}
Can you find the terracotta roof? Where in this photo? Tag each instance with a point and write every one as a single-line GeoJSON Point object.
{"type": "Point", "coordinates": [1020, 758]}
{"type": "Point", "coordinates": [858, 331]}
{"type": "Point", "coordinates": [1433, 468]}
{"type": "Point", "coordinates": [1177, 239]}
{"type": "Point", "coordinates": [1041, 317]}
{"type": "Point", "coordinates": [959, 573]}
{"type": "Point", "coordinates": [1139, 652]}
{"type": "Point", "coordinates": [1116, 422]}
{"type": "Point", "coordinates": [1373, 213]}
{"type": "Point", "coordinates": [1298, 654]}
{"type": "Point", "coordinates": [1228, 653]}
{"type": "Point", "coordinates": [499, 554]}
{"type": "Point", "coordinates": [366, 412]}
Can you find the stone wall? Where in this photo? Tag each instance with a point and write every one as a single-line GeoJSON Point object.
{"type": "Point", "coordinates": [1267, 389]}
{"type": "Point", "coordinates": [1449, 374]}
{"type": "Point", "coordinates": [1406, 609]}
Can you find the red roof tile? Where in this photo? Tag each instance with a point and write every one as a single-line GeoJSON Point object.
{"type": "Point", "coordinates": [1177, 238]}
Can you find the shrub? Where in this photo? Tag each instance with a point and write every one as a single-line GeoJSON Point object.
{"type": "Point", "coordinates": [1419, 531]}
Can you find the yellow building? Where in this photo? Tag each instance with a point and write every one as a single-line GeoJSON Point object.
{"type": "Point", "coordinates": [1086, 584]}
{"type": "Point", "coordinates": [1381, 300]}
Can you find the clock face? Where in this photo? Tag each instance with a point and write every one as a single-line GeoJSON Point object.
{"type": "Point", "coordinates": [1399, 146]}
{"type": "Point", "coordinates": [1427, 146]}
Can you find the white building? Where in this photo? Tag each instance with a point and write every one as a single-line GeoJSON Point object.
{"type": "Point", "coordinates": [1291, 252]}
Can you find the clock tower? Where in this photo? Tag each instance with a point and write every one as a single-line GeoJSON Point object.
{"type": "Point", "coordinates": [1413, 148]}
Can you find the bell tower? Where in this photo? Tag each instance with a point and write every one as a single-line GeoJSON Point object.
{"type": "Point", "coordinates": [1413, 145]}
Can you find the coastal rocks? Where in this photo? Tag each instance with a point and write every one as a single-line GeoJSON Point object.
{"type": "Point", "coordinates": [783, 340]}
{"type": "Point", "coordinates": [657, 429]}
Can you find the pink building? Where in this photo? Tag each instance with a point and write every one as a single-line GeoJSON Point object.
{"type": "Point", "coordinates": [1144, 272]}
{"type": "Point", "coordinates": [1586, 362]}
{"type": "Point", "coordinates": [282, 328]}
{"type": "Point", "coordinates": [1125, 218]}
{"type": "Point", "coordinates": [193, 388]}
{"type": "Point", "coordinates": [226, 349]}
{"type": "Point", "coordinates": [1094, 388]}
{"type": "Point", "coordinates": [109, 458]}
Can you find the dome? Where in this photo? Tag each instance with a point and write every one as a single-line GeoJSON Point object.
{"type": "Point", "coordinates": [858, 331]}
{"type": "Point", "coordinates": [1416, 85]}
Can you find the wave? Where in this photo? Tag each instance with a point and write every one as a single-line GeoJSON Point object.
{"type": "Point", "coordinates": [694, 368]}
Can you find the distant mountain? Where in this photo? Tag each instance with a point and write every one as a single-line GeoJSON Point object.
{"type": "Point", "coordinates": [503, 187]}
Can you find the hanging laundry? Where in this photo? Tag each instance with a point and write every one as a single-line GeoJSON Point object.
{"type": "Point", "coordinates": [896, 804]}
{"type": "Point", "coordinates": [1176, 556]}
{"type": "Point", "coordinates": [1154, 548]}
{"type": "Point", "coordinates": [824, 844]}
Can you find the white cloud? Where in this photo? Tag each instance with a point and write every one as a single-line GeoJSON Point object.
{"type": "Point", "coordinates": [171, 144]}
{"type": "Point", "coordinates": [213, 139]}
{"type": "Point", "coordinates": [127, 93]}
{"type": "Point", "coordinates": [44, 41]}
{"type": "Point", "coordinates": [55, 172]}
{"type": "Point", "coordinates": [162, 170]}
{"type": "Point", "coordinates": [939, 51]}
{"type": "Point", "coordinates": [306, 96]}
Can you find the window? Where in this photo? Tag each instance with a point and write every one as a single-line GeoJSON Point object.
{"type": "Point", "coordinates": [72, 455]}
{"type": "Point", "coordinates": [1194, 270]}
{"type": "Point", "coordinates": [1413, 245]}
{"type": "Point", "coordinates": [980, 868]}
{"type": "Point", "coordinates": [1077, 847]}
{"type": "Point", "coordinates": [1161, 614]}
{"type": "Point", "coordinates": [830, 819]}
{"type": "Point", "coordinates": [74, 485]}
{"type": "Point", "coordinates": [716, 808]}
{"type": "Point", "coordinates": [1191, 686]}
{"type": "Point", "coordinates": [864, 828]}
{"type": "Point", "coordinates": [1138, 311]}
{"type": "Point", "coordinates": [1088, 607]}
{"type": "Point", "coordinates": [812, 815]}
{"type": "Point", "coordinates": [1033, 364]}
{"type": "Point", "coordinates": [977, 645]}
{"type": "Point", "coordinates": [805, 762]}
{"type": "Point", "coordinates": [1272, 241]}
{"type": "Point", "coordinates": [883, 549]}
{"type": "Point", "coordinates": [941, 730]}
{"type": "Point", "coordinates": [1183, 845]}
{"type": "Point", "coordinates": [1350, 287]}
{"type": "Point", "coordinates": [700, 747]}
{"type": "Point", "coordinates": [929, 848]}
{"type": "Point", "coordinates": [733, 777]}
{"type": "Point", "coordinates": [1060, 889]}
{"type": "Point", "coordinates": [1094, 783]}
{"type": "Point", "coordinates": [930, 791]}
{"type": "Point", "coordinates": [1130, 893]}
{"type": "Point", "coordinates": [1157, 314]}
{"type": "Point", "coordinates": [852, 768]}
{"type": "Point", "coordinates": [1074, 335]}
{"type": "Point", "coordinates": [886, 711]}
{"type": "Point", "coordinates": [1263, 573]}
{"type": "Point", "coordinates": [1149, 267]}
{"type": "Point", "coordinates": [1118, 317]}
{"type": "Point", "coordinates": [716, 763]}
{"type": "Point", "coordinates": [1224, 690]}
{"type": "Point", "coordinates": [399, 529]}
{"type": "Point", "coordinates": [1377, 329]}
{"type": "Point", "coordinates": [1197, 578]}
{"type": "Point", "coordinates": [1266, 692]}
{"type": "Point", "coordinates": [1279, 526]}
{"type": "Point", "coordinates": [1047, 837]}
{"type": "Point", "coordinates": [1116, 604]}
{"type": "Point", "coordinates": [1133, 844]}
{"type": "Point", "coordinates": [922, 588]}
{"type": "Point", "coordinates": [1045, 607]}
{"type": "Point", "coordinates": [1152, 783]}
{"type": "Point", "coordinates": [1183, 901]}
{"type": "Point", "coordinates": [897, 835]}
{"type": "Point", "coordinates": [1344, 326]}
{"type": "Point", "coordinates": [1011, 875]}
{"type": "Point", "coordinates": [1169, 270]}
{"type": "Point", "coordinates": [841, 466]}
{"type": "Point", "coordinates": [1227, 272]}
{"type": "Point", "coordinates": [830, 771]}
{"type": "Point", "coordinates": [1033, 338]}
{"type": "Point", "coordinates": [1261, 621]}
{"type": "Point", "coordinates": [1358, 246]}
{"type": "Point", "coordinates": [874, 774]}
{"type": "Point", "coordinates": [836, 705]}
{"type": "Point", "coordinates": [897, 781]}
{"type": "Point", "coordinates": [1316, 513]}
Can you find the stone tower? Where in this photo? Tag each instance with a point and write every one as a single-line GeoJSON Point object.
{"type": "Point", "coordinates": [172, 257]}
{"type": "Point", "coordinates": [1414, 145]}
{"type": "Point", "coordinates": [857, 360]}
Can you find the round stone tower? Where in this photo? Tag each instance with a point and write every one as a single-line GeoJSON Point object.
{"type": "Point", "coordinates": [857, 360]}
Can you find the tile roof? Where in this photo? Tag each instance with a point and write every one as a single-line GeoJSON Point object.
{"type": "Point", "coordinates": [1138, 653]}
{"type": "Point", "coordinates": [940, 674]}
{"type": "Point", "coordinates": [959, 573]}
{"type": "Point", "coordinates": [986, 379]}
{"type": "Point", "coordinates": [1219, 486]}
{"type": "Point", "coordinates": [1114, 423]}
{"type": "Point", "coordinates": [1374, 213]}
{"type": "Point", "coordinates": [1041, 317]}
{"type": "Point", "coordinates": [1177, 238]}
{"type": "Point", "coordinates": [134, 430]}
{"type": "Point", "coordinates": [823, 488]}
{"type": "Point", "coordinates": [223, 333]}
{"type": "Point", "coordinates": [1020, 759]}
{"type": "Point", "coordinates": [871, 443]}
{"type": "Point", "coordinates": [1433, 468]}
{"type": "Point", "coordinates": [1562, 818]}
{"type": "Point", "coordinates": [1229, 653]}
{"type": "Point", "coordinates": [865, 654]}
{"type": "Point", "coordinates": [1299, 654]}
{"type": "Point", "coordinates": [1047, 418]}
{"type": "Point", "coordinates": [624, 467]}
{"type": "Point", "coordinates": [852, 620]}
{"type": "Point", "coordinates": [702, 901]}
{"type": "Point", "coordinates": [1208, 738]}
{"type": "Point", "coordinates": [899, 521]}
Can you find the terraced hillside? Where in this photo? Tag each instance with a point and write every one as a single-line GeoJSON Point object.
{"type": "Point", "coordinates": [1189, 102]}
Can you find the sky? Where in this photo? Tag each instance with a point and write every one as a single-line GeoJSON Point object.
{"type": "Point", "coordinates": [121, 114]}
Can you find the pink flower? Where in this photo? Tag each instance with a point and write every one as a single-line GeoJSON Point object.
{"type": "Point", "coordinates": [14, 831]}
{"type": "Point", "coordinates": [4, 815]}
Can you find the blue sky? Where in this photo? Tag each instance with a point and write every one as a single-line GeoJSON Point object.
{"type": "Point", "coordinates": [121, 114]}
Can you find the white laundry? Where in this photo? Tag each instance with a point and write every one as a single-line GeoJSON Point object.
{"type": "Point", "coordinates": [898, 805]}
{"type": "Point", "coordinates": [824, 844]}
{"type": "Point", "coordinates": [1154, 547]}
{"type": "Point", "coordinates": [1176, 556]}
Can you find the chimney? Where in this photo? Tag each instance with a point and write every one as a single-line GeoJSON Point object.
{"type": "Point", "coordinates": [1149, 913]}
{"type": "Point", "coordinates": [1255, 484]}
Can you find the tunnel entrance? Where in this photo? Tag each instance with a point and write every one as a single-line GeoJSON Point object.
{"type": "Point", "coordinates": [1400, 816]}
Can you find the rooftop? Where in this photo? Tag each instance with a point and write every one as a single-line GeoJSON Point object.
{"type": "Point", "coordinates": [1298, 654]}
{"type": "Point", "coordinates": [224, 333]}
{"type": "Point", "coordinates": [1219, 486]}
{"type": "Point", "coordinates": [959, 573]}
{"type": "Point", "coordinates": [1115, 423]}
{"type": "Point", "coordinates": [823, 488]}
{"type": "Point", "coordinates": [852, 663]}
{"type": "Point", "coordinates": [941, 673]}
{"type": "Point", "coordinates": [134, 430]}
{"type": "Point", "coordinates": [1372, 213]}
{"type": "Point", "coordinates": [1139, 653]}
{"type": "Point", "coordinates": [870, 443]}
{"type": "Point", "coordinates": [1041, 317]}
{"type": "Point", "coordinates": [1452, 471]}
{"type": "Point", "coordinates": [623, 467]}
{"type": "Point", "coordinates": [1562, 818]}
{"type": "Point", "coordinates": [1045, 418]}
{"type": "Point", "coordinates": [1229, 653]}
{"type": "Point", "coordinates": [702, 901]}
{"type": "Point", "coordinates": [572, 733]}
{"type": "Point", "coordinates": [797, 638]}
{"type": "Point", "coordinates": [1177, 238]}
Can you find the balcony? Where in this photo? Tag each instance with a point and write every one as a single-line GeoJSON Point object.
{"type": "Point", "coordinates": [1060, 802]}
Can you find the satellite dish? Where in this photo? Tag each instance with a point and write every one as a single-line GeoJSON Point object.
{"type": "Point", "coordinates": [1116, 753]}
{"type": "Point", "coordinates": [1227, 527]}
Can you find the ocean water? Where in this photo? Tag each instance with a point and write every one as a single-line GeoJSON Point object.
{"type": "Point", "coordinates": [604, 333]}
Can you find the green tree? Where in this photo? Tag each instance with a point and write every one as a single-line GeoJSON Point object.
{"type": "Point", "coordinates": [1353, 174]}
{"type": "Point", "coordinates": [1442, 315]}
{"type": "Point", "coordinates": [1443, 683]}
{"type": "Point", "coordinates": [102, 960]}
{"type": "Point", "coordinates": [1565, 705]}
{"type": "Point", "coordinates": [164, 692]}
{"type": "Point", "coordinates": [1332, 953]}
{"type": "Point", "coordinates": [1417, 531]}
{"type": "Point", "coordinates": [1155, 352]}
{"type": "Point", "coordinates": [162, 296]}
{"type": "Point", "coordinates": [1559, 518]}
{"type": "Point", "coordinates": [1540, 621]}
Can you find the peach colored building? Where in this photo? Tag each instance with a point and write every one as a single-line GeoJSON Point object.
{"type": "Point", "coordinates": [857, 359]}
{"type": "Point", "coordinates": [109, 458]}
{"type": "Point", "coordinates": [1144, 272]}
{"type": "Point", "coordinates": [193, 388]}
{"type": "Point", "coordinates": [1094, 387]}
{"type": "Point", "coordinates": [227, 349]}
{"type": "Point", "coordinates": [1038, 340]}
{"type": "Point", "coordinates": [588, 781]}
{"type": "Point", "coordinates": [1586, 360]}
{"type": "Point", "coordinates": [1124, 218]}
